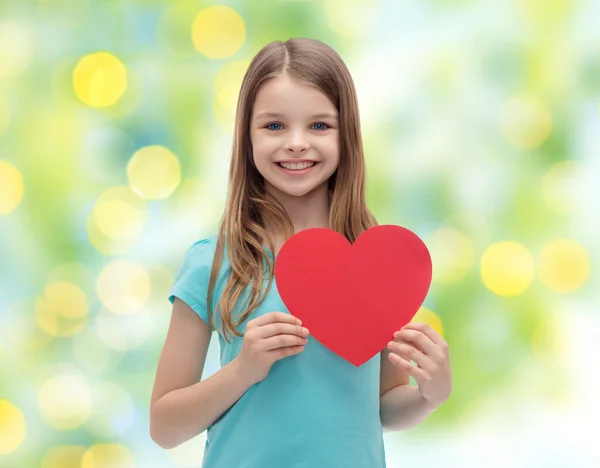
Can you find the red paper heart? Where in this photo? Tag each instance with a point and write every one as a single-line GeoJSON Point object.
{"type": "Point", "coordinates": [353, 298]}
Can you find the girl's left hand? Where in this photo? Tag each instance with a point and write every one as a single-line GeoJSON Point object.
{"type": "Point", "coordinates": [420, 343]}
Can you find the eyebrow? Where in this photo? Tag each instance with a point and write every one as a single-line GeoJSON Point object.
{"type": "Point", "coordinates": [315, 116]}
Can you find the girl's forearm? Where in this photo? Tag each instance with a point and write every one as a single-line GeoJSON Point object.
{"type": "Point", "coordinates": [186, 412]}
{"type": "Point", "coordinates": [403, 407]}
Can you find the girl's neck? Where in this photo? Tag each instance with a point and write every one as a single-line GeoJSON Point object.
{"type": "Point", "coordinates": [305, 212]}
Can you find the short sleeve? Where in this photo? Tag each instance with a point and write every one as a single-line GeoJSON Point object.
{"type": "Point", "coordinates": [191, 282]}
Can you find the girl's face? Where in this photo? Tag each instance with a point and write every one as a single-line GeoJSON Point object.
{"type": "Point", "coordinates": [295, 137]}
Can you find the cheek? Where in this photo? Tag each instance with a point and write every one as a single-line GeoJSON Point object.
{"type": "Point", "coordinates": [262, 148]}
{"type": "Point", "coordinates": [331, 149]}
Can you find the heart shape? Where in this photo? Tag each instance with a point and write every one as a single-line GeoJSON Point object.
{"type": "Point", "coordinates": [354, 297]}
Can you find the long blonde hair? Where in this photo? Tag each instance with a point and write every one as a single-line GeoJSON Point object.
{"type": "Point", "coordinates": [247, 211]}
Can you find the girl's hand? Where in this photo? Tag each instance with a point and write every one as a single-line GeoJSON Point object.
{"type": "Point", "coordinates": [269, 338]}
{"type": "Point", "coordinates": [420, 343]}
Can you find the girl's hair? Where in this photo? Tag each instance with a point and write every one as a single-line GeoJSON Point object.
{"type": "Point", "coordinates": [247, 211]}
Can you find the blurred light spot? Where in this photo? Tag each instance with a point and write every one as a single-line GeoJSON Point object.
{"type": "Point", "coordinates": [124, 332]}
{"type": "Point", "coordinates": [11, 187]}
{"type": "Point", "coordinates": [190, 453]}
{"type": "Point", "coordinates": [153, 172]}
{"type": "Point", "coordinates": [62, 310]}
{"type": "Point", "coordinates": [77, 274]}
{"type": "Point", "coordinates": [108, 456]}
{"type": "Point", "coordinates": [104, 244]}
{"type": "Point", "coordinates": [123, 287]}
{"type": "Point", "coordinates": [12, 427]}
{"type": "Point", "coordinates": [564, 266]}
{"type": "Point", "coordinates": [452, 255]}
{"type": "Point", "coordinates": [21, 335]}
{"type": "Point", "coordinates": [64, 456]}
{"type": "Point", "coordinates": [218, 32]}
{"type": "Point", "coordinates": [120, 214]}
{"type": "Point", "coordinates": [91, 353]}
{"type": "Point", "coordinates": [100, 79]}
{"type": "Point", "coordinates": [113, 411]}
{"type": "Point", "coordinates": [352, 19]}
{"type": "Point", "coordinates": [16, 49]}
{"type": "Point", "coordinates": [425, 315]}
{"type": "Point", "coordinates": [65, 401]}
{"type": "Point", "coordinates": [507, 268]}
{"type": "Point", "coordinates": [227, 86]}
{"type": "Point", "coordinates": [560, 186]}
{"type": "Point", "coordinates": [525, 122]}
{"type": "Point", "coordinates": [4, 114]}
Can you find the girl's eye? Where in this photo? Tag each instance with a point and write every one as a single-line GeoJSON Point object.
{"type": "Point", "coordinates": [325, 126]}
{"type": "Point", "coordinates": [269, 125]}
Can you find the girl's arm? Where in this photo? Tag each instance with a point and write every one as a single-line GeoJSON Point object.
{"type": "Point", "coordinates": [182, 406]}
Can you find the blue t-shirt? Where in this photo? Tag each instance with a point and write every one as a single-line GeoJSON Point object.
{"type": "Point", "coordinates": [314, 409]}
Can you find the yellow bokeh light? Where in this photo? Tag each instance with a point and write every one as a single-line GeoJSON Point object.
{"type": "Point", "coordinates": [75, 273]}
{"type": "Point", "coordinates": [123, 287]}
{"type": "Point", "coordinates": [11, 187]}
{"type": "Point", "coordinates": [108, 456]}
{"type": "Point", "coordinates": [226, 89]}
{"type": "Point", "coordinates": [104, 244]}
{"type": "Point", "coordinates": [153, 172]}
{"type": "Point", "coordinates": [65, 401]}
{"type": "Point", "coordinates": [62, 310]}
{"type": "Point", "coordinates": [16, 49]}
{"type": "Point", "coordinates": [425, 315]}
{"type": "Point", "coordinates": [100, 79]}
{"type": "Point", "coordinates": [120, 214]}
{"type": "Point", "coordinates": [64, 456]}
{"type": "Point", "coordinates": [564, 266]}
{"type": "Point", "coordinates": [4, 114]}
{"type": "Point", "coordinates": [352, 19]}
{"type": "Point", "coordinates": [525, 122]}
{"type": "Point", "coordinates": [560, 186]}
{"type": "Point", "coordinates": [218, 32]}
{"type": "Point", "coordinates": [12, 427]}
{"type": "Point", "coordinates": [452, 255]}
{"type": "Point", "coordinates": [507, 268]}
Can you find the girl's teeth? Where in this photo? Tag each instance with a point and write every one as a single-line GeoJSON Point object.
{"type": "Point", "coordinates": [297, 166]}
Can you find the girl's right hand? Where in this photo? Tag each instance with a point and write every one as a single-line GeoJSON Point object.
{"type": "Point", "coordinates": [269, 338]}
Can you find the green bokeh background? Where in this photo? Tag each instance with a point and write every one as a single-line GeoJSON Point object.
{"type": "Point", "coordinates": [481, 125]}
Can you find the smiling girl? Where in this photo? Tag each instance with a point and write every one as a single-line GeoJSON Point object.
{"type": "Point", "coordinates": [281, 399]}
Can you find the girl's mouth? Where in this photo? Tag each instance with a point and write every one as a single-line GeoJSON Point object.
{"type": "Point", "coordinates": [296, 168]}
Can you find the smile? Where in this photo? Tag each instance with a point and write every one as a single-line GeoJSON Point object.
{"type": "Point", "coordinates": [296, 168]}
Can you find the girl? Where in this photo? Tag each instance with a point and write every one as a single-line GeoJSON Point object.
{"type": "Point", "coordinates": [281, 399]}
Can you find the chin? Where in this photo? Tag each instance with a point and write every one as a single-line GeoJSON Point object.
{"type": "Point", "coordinates": [295, 191]}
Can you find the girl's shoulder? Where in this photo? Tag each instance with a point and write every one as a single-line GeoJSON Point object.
{"type": "Point", "coordinates": [199, 255]}
{"type": "Point", "coordinates": [203, 249]}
